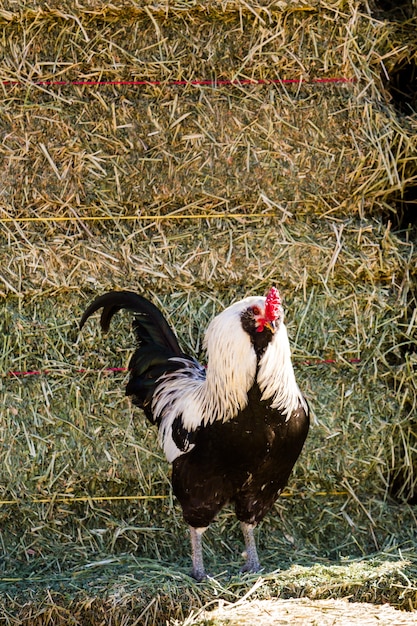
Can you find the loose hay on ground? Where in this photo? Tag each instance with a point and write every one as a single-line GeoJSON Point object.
{"type": "Point", "coordinates": [303, 613]}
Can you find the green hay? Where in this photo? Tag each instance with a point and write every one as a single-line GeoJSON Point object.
{"type": "Point", "coordinates": [287, 184]}
{"type": "Point", "coordinates": [127, 590]}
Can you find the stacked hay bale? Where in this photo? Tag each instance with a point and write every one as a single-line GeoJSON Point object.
{"type": "Point", "coordinates": [198, 153]}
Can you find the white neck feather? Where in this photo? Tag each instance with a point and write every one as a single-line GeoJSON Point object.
{"type": "Point", "coordinates": [276, 377]}
{"type": "Point", "coordinates": [231, 366]}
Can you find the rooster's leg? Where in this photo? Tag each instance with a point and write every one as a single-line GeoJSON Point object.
{"type": "Point", "coordinates": [252, 561]}
{"type": "Point", "coordinates": [198, 571]}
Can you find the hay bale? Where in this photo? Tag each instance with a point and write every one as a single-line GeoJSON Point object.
{"type": "Point", "coordinates": [198, 193]}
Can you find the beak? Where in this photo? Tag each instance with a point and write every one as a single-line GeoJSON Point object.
{"type": "Point", "coordinates": [270, 326]}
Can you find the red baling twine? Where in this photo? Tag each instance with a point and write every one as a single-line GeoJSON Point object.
{"type": "Point", "coordinates": [117, 370]}
{"type": "Point", "coordinates": [181, 83]}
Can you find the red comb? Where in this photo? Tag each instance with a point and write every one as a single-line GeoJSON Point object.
{"type": "Point", "coordinates": [272, 304]}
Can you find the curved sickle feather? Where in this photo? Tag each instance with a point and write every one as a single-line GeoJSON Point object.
{"type": "Point", "coordinates": [148, 320]}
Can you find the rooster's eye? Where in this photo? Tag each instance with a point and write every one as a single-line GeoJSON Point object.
{"type": "Point", "coordinates": [255, 310]}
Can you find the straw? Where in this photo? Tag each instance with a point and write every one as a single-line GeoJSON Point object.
{"type": "Point", "coordinates": [198, 153]}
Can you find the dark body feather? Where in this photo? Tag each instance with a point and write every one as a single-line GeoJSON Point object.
{"type": "Point", "coordinates": [246, 461]}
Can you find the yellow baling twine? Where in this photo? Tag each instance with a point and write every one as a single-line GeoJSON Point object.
{"type": "Point", "coordinates": [69, 500]}
{"type": "Point", "coordinates": [155, 218]}
{"type": "Point", "coordinates": [92, 499]}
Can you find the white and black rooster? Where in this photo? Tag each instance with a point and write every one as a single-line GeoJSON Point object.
{"type": "Point", "coordinates": [232, 430]}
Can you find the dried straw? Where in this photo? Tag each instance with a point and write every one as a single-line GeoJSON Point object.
{"type": "Point", "coordinates": [196, 195]}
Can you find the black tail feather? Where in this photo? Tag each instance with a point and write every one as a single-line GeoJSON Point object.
{"type": "Point", "coordinates": [150, 325]}
{"type": "Point", "coordinates": [158, 346]}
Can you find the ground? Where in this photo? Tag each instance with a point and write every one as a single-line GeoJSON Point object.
{"type": "Point", "coordinates": [304, 612]}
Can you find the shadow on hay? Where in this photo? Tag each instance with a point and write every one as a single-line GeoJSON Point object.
{"type": "Point", "coordinates": [127, 590]}
{"type": "Point", "coordinates": [394, 10]}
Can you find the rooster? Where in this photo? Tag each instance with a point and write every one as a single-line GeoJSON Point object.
{"type": "Point", "coordinates": [232, 430]}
